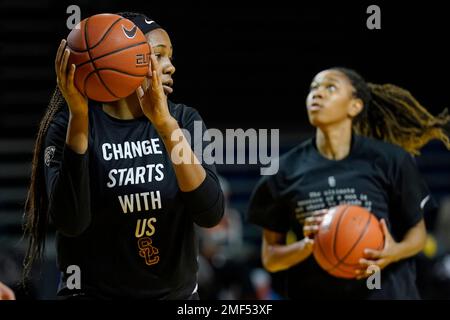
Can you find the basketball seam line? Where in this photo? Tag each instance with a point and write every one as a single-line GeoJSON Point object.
{"type": "Point", "coordinates": [340, 261]}
{"type": "Point", "coordinates": [99, 41]}
{"type": "Point", "coordinates": [95, 67]}
{"type": "Point", "coordinates": [341, 216]}
{"type": "Point", "coordinates": [324, 255]}
{"type": "Point", "coordinates": [336, 266]}
{"type": "Point", "coordinates": [111, 69]}
{"type": "Point", "coordinates": [356, 264]}
{"type": "Point", "coordinates": [109, 53]}
{"type": "Point", "coordinates": [120, 71]}
{"type": "Point", "coordinates": [358, 240]}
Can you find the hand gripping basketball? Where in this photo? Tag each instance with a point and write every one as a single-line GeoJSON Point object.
{"type": "Point", "coordinates": [76, 102]}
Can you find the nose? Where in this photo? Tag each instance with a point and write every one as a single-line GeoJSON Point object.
{"type": "Point", "coordinates": [317, 94]}
{"type": "Point", "coordinates": [169, 68]}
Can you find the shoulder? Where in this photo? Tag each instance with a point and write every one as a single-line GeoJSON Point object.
{"type": "Point", "coordinates": [297, 153]}
{"type": "Point", "coordinates": [60, 120]}
{"type": "Point", "coordinates": [291, 163]}
{"type": "Point", "coordinates": [182, 112]}
{"type": "Point", "coordinates": [380, 150]}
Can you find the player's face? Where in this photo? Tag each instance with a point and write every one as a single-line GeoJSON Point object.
{"type": "Point", "coordinates": [163, 50]}
{"type": "Point", "coordinates": [330, 99]}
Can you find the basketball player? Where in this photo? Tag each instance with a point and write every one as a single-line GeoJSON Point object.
{"type": "Point", "coordinates": [123, 208]}
{"type": "Point", "coordinates": [361, 154]}
{"type": "Point", "coordinates": [6, 293]}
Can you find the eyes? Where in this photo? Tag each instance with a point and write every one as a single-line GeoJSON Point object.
{"type": "Point", "coordinates": [329, 87]}
{"type": "Point", "coordinates": [159, 55]}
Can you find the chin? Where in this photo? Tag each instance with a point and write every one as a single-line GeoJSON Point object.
{"type": "Point", "coordinates": [314, 121]}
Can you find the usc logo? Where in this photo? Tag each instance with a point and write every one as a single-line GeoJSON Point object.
{"type": "Point", "coordinates": [147, 251]}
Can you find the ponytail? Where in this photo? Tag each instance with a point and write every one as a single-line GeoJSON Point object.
{"type": "Point", "coordinates": [36, 204]}
{"type": "Point", "coordinates": [393, 115]}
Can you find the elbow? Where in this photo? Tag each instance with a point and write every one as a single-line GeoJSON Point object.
{"type": "Point", "coordinates": [72, 229]}
{"type": "Point", "coordinates": [71, 223]}
{"type": "Point", "coordinates": [270, 265]}
{"type": "Point", "coordinates": [71, 232]}
{"type": "Point", "coordinates": [423, 240]}
{"type": "Point", "coordinates": [421, 235]}
{"type": "Point", "coordinates": [210, 218]}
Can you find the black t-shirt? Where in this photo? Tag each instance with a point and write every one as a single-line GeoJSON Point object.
{"type": "Point", "coordinates": [376, 175]}
{"type": "Point", "coordinates": [119, 213]}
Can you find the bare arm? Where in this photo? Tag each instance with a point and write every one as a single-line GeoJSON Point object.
{"type": "Point", "coordinates": [200, 189]}
{"type": "Point", "coordinates": [277, 256]}
{"type": "Point", "coordinates": [190, 174]}
{"type": "Point", "coordinates": [412, 243]}
{"type": "Point", "coordinates": [67, 175]}
{"type": "Point", "coordinates": [77, 129]}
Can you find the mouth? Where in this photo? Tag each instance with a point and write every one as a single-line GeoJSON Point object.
{"type": "Point", "coordinates": [315, 106]}
{"type": "Point", "coordinates": [167, 86]}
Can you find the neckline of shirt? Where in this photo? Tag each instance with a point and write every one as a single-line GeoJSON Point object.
{"type": "Point", "coordinates": [353, 145]}
{"type": "Point", "coordinates": [97, 107]}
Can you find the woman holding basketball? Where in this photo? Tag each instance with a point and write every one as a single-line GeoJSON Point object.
{"type": "Point", "coordinates": [107, 176]}
{"type": "Point", "coordinates": [361, 154]}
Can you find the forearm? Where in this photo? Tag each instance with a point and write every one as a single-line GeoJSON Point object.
{"type": "Point", "coordinates": [77, 132]}
{"type": "Point", "coordinates": [413, 242]}
{"type": "Point", "coordinates": [278, 257]}
{"type": "Point", "coordinates": [189, 172]}
{"type": "Point", "coordinates": [69, 196]}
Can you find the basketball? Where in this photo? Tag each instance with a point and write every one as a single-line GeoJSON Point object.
{"type": "Point", "coordinates": [343, 235]}
{"type": "Point", "coordinates": [111, 56]}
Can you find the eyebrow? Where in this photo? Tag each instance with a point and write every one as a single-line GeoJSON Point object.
{"type": "Point", "coordinates": [162, 46]}
{"type": "Point", "coordinates": [326, 80]}
{"type": "Point", "coordinates": [332, 80]}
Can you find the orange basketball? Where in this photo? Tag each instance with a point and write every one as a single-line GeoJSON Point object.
{"type": "Point", "coordinates": [111, 55]}
{"type": "Point", "coordinates": [343, 235]}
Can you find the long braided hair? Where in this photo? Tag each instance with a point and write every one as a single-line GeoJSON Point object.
{"type": "Point", "coordinates": [36, 204]}
{"type": "Point", "coordinates": [392, 114]}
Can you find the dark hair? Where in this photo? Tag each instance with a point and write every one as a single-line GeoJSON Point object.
{"type": "Point", "coordinates": [129, 15]}
{"type": "Point", "coordinates": [393, 115]}
{"type": "Point", "coordinates": [36, 205]}
{"type": "Point", "coordinates": [143, 22]}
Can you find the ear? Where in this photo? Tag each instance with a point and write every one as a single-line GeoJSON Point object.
{"type": "Point", "coordinates": [356, 106]}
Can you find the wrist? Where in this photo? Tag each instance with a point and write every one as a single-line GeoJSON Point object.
{"type": "Point", "coordinates": [306, 245]}
{"type": "Point", "coordinates": [398, 252]}
{"type": "Point", "coordinates": [166, 126]}
{"type": "Point", "coordinates": [78, 113]}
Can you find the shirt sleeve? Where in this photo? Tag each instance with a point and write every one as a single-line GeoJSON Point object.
{"type": "Point", "coordinates": [206, 203]}
{"type": "Point", "coordinates": [411, 197]}
{"type": "Point", "coordinates": [266, 207]}
{"type": "Point", "coordinates": [67, 182]}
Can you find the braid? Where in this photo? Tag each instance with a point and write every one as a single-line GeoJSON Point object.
{"type": "Point", "coordinates": [36, 215]}
{"type": "Point", "coordinates": [397, 117]}
{"type": "Point", "coordinates": [393, 115]}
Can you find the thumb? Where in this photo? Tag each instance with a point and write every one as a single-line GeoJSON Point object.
{"type": "Point", "coordinates": [140, 92]}
{"type": "Point", "coordinates": [385, 229]}
{"type": "Point", "coordinates": [308, 242]}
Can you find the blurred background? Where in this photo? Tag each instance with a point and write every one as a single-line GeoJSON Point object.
{"type": "Point", "coordinates": [242, 66]}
